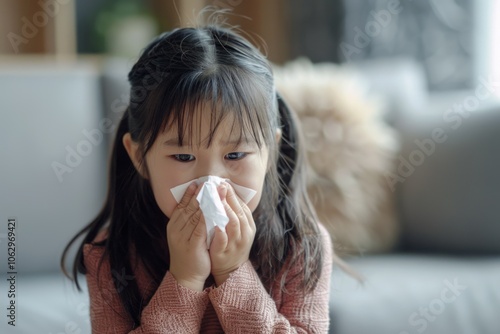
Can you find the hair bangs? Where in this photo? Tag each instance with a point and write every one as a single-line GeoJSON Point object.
{"type": "Point", "coordinates": [227, 93]}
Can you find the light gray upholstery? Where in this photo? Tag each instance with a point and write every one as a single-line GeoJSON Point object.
{"type": "Point", "coordinates": [451, 202]}
{"type": "Point", "coordinates": [45, 108]}
{"type": "Point", "coordinates": [46, 111]}
{"type": "Point", "coordinates": [448, 205]}
{"type": "Point", "coordinates": [417, 294]}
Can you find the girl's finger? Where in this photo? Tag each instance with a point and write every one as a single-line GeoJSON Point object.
{"type": "Point", "coordinates": [191, 224]}
{"type": "Point", "coordinates": [233, 226]}
{"type": "Point", "coordinates": [250, 222]}
{"type": "Point", "coordinates": [186, 208]}
{"type": "Point", "coordinates": [186, 198]}
{"type": "Point", "coordinates": [197, 228]}
{"type": "Point", "coordinates": [240, 208]}
{"type": "Point", "coordinates": [235, 203]}
{"type": "Point", "coordinates": [193, 204]}
{"type": "Point", "coordinates": [219, 243]}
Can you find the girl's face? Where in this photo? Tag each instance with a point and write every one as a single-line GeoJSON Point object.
{"type": "Point", "coordinates": [170, 165]}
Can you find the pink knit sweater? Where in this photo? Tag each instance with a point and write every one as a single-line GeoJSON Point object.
{"type": "Point", "coordinates": [239, 305]}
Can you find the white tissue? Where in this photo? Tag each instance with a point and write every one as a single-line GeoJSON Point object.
{"type": "Point", "coordinates": [210, 202]}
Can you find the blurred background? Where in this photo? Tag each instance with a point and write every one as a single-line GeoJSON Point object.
{"type": "Point", "coordinates": [453, 39]}
{"type": "Point", "coordinates": [399, 104]}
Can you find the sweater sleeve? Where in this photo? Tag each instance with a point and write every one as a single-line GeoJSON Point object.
{"type": "Point", "coordinates": [244, 306]}
{"type": "Point", "coordinates": [172, 308]}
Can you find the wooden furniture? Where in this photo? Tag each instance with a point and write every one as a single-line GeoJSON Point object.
{"type": "Point", "coordinates": [41, 27]}
{"type": "Point", "coordinates": [49, 26]}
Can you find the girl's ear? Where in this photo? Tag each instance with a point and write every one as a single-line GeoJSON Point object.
{"type": "Point", "coordinates": [277, 137]}
{"type": "Point", "coordinates": [134, 153]}
{"type": "Point", "coordinates": [279, 133]}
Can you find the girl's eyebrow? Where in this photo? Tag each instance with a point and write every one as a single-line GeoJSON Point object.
{"type": "Point", "coordinates": [230, 142]}
{"type": "Point", "coordinates": [237, 141]}
{"type": "Point", "coordinates": [171, 142]}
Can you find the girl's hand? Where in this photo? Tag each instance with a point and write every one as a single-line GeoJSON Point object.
{"type": "Point", "coordinates": [186, 235]}
{"type": "Point", "coordinates": [230, 249]}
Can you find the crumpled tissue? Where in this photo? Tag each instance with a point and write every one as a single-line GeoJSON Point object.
{"type": "Point", "coordinates": [210, 202]}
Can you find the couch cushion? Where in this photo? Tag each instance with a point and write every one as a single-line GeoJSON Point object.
{"type": "Point", "coordinates": [406, 294]}
{"type": "Point", "coordinates": [48, 303]}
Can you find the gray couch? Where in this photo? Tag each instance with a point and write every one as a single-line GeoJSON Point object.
{"type": "Point", "coordinates": [45, 110]}
{"type": "Point", "coordinates": [443, 279]}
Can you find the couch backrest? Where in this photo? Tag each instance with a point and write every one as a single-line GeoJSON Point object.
{"type": "Point", "coordinates": [450, 198]}
{"type": "Point", "coordinates": [53, 160]}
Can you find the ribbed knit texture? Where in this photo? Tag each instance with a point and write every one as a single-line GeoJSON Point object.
{"type": "Point", "coordinates": [240, 305]}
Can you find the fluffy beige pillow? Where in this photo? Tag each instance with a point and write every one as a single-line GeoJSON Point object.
{"type": "Point", "coordinates": [350, 149]}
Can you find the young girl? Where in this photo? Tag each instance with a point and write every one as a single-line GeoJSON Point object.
{"type": "Point", "coordinates": [203, 103]}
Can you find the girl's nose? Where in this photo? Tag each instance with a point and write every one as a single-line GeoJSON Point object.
{"type": "Point", "coordinates": [213, 168]}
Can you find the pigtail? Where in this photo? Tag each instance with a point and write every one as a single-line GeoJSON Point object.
{"type": "Point", "coordinates": [291, 234]}
{"type": "Point", "coordinates": [122, 177]}
{"type": "Point", "coordinates": [288, 157]}
{"type": "Point", "coordinates": [116, 207]}
{"type": "Point", "coordinates": [294, 209]}
{"type": "Point", "coordinates": [92, 229]}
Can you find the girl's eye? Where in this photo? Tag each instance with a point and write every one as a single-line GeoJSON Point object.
{"type": "Point", "coordinates": [183, 157]}
{"type": "Point", "coordinates": [235, 155]}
